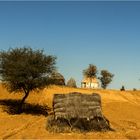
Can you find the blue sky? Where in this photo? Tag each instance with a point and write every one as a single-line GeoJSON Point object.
{"type": "Point", "coordinates": [106, 34]}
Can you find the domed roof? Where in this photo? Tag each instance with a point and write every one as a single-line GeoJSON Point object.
{"type": "Point", "coordinates": [57, 75]}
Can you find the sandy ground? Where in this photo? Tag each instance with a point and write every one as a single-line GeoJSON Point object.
{"type": "Point", "coordinates": [121, 108]}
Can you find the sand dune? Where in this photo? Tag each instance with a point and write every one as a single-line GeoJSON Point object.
{"type": "Point", "coordinates": [121, 108]}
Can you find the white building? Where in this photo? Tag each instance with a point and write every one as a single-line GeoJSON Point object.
{"type": "Point", "coordinates": [90, 83]}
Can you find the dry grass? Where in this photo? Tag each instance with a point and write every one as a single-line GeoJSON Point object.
{"type": "Point", "coordinates": [121, 108]}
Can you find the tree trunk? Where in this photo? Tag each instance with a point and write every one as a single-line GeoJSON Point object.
{"type": "Point", "coordinates": [22, 102]}
{"type": "Point", "coordinates": [90, 81]}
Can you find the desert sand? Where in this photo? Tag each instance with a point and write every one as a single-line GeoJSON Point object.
{"type": "Point", "coordinates": [121, 108]}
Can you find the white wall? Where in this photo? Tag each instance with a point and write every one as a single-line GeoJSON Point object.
{"type": "Point", "coordinates": [93, 85]}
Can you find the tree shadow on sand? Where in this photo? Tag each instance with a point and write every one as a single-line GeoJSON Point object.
{"type": "Point", "coordinates": [11, 107]}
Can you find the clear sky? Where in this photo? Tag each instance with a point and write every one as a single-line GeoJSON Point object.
{"type": "Point", "coordinates": [106, 34]}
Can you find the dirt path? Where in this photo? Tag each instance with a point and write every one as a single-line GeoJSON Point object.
{"type": "Point", "coordinates": [20, 129]}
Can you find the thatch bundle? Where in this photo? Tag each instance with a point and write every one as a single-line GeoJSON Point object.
{"type": "Point", "coordinates": [76, 110]}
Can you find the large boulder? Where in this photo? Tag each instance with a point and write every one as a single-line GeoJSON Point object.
{"type": "Point", "coordinates": [77, 111]}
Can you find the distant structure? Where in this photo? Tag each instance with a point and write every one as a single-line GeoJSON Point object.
{"type": "Point", "coordinates": [90, 83]}
{"type": "Point", "coordinates": [58, 78]}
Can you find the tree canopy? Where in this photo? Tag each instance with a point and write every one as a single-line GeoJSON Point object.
{"type": "Point", "coordinates": [106, 78]}
{"type": "Point", "coordinates": [90, 72]}
{"type": "Point", "coordinates": [25, 70]}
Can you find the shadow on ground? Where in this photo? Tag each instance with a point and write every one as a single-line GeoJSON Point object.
{"type": "Point", "coordinates": [11, 107]}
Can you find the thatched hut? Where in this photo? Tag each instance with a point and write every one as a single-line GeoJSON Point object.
{"type": "Point", "coordinates": [58, 78]}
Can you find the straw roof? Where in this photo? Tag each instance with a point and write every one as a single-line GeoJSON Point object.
{"type": "Point", "coordinates": [77, 105]}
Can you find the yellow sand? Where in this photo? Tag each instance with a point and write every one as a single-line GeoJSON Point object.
{"type": "Point", "coordinates": [121, 108]}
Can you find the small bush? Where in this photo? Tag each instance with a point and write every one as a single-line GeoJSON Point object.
{"type": "Point", "coordinates": [122, 89]}
{"type": "Point", "coordinates": [71, 83]}
{"type": "Point", "coordinates": [134, 89]}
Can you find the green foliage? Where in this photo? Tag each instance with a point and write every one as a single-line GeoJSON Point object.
{"type": "Point", "coordinates": [25, 70]}
{"type": "Point", "coordinates": [71, 83]}
{"type": "Point", "coordinates": [57, 78]}
{"type": "Point", "coordinates": [91, 71]}
{"type": "Point", "coordinates": [106, 78]}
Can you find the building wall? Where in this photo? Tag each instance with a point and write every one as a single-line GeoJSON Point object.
{"type": "Point", "coordinates": [87, 85]}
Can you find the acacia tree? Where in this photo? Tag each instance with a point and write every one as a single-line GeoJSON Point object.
{"type": "Point", "coordinates": [106, 78]}
{"type": "Point", "coordinates": [25, 70]}
{"type": "Point", "coordinates": [90, 72]}
{"type": "Point", "coordinates": [71, 83]}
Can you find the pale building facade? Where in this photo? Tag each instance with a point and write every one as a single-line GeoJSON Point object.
{"type": "Point", "coordinates": [90, 83]}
